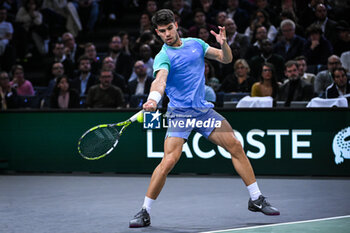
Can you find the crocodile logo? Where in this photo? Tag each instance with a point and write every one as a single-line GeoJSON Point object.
{"type": "Point", "coordinates": [341, 145]}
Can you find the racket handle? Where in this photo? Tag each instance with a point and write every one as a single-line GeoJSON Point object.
{"type": "Point", "coordinates": [134, 117]}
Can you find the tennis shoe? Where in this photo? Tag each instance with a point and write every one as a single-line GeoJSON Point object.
{"type": "Point", "coordinates": [261, 205]}
{"type": "Point", "coordinates": [141, 219]}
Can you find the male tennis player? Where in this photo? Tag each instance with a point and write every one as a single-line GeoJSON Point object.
{"type": "Point", "coordinates": [179, 70]}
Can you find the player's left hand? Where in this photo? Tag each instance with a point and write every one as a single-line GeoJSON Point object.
{"type": "Point", "coordinates": [221, 37]}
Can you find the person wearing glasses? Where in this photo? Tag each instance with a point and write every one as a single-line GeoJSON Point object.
{"type": "Point", "coordinates": [268, 85]}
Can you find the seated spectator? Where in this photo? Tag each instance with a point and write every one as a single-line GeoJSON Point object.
{"type": "Point", "coordinates": [239, 81]}
{"type": "Point", "coordinates": [292, 45]}
{"type": "Point", "coordinates": [238, 42]}
{"type": "Point", "coordinates": [151, 7]}
{"type": "Point", "coordinates": [307, 77]}
{"type": "Point", "coordinates": [6, 30]}
{"type": "Point", "coordinates": [324, 78]}
{"type": "Point", "coordinates": [341, 84]}
{"type": "Point", "coordinates": [183, 32]}
{"type": "Point", "coordinates": [289, 14]}
{"type": "Point", "coordinates": [264, 5]}
{"type": "Point", "coordinates": [142, 84]}
{"type": "Point", "coordinates": [63, 96]}
{"type": "Point", "coordinates": [327, 25]}
{"type": "Point", "coordinates": [31, 21]}
{"type": "Point", "coordinates": [71, 49]}
{"type": "Point", "coordinates": [56, 72]}
{"type": "Point", "coordinates": [209, 75]}
{"type": "Point", "coordinates": [90, 52]}
{"type": "Point", "coordinates": [261, 17]}
{"type": "Point", "coordinates": [124, 36]}
{"type": "Point", "coordinates": [23, 87]}
{"type": "Point", "coordinates": [145, 23]}
{"type": "Point", "coordinates": [239, 15]}
{"type": "Point", "coordinates": [294, 89]}
{"type": "Point", "coordinates": [122, 60]}
{"type": "Point", "coordinates": [259, 34]}
{"type": "Point", "coordinates": [59, 56]}
{"type": "Point", "coordinates": [267, 55]}
{"type": "Point", "coordinates": [88, 11]}
{"type": "Point", "coordinates": [183, 9]}
{"type": "Point", "coordinates": [84, 78]}
{"type": "Point", "coordinates": [209, 11]}
{"type": "Point", "coordinates": [221, 18]}
{"type": "Point", "coordinates": [145, 54]}
{"type": "Point", "coordinates": [104, 94]}
{"type": "Point", "coordinates": [268, 85]}
{"type": "Point", "coordinates": [61, 16]}
{"type": "Point", "coordinates": [342, 41]}
{"type": "Point", "coordinates": [345, 60]}
{"type": "Point", "coordinates": [8, 94]}
{"type": "Point", "coordinates": [204, 35]}
{"type": "Point", "coordinates": [200, 21]}
{"type": "Point", "coordinates": [317, 47]}
{"type": "Point", "coordinates": [118, 80]}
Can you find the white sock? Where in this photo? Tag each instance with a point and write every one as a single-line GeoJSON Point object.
{"type": "Point", "coordinates": [147, 203]}
{"type": "Point", "coordinates": [254, 191]}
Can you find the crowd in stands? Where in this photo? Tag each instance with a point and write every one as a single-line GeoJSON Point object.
{"type": "Point", "coordinates": [291, 50]}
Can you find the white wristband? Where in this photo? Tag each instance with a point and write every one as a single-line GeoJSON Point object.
{"type": "Point", "coordinates": [155, 95]}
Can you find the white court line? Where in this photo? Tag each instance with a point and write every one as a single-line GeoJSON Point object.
{"type": "Point", "coordinates": [278, 224]}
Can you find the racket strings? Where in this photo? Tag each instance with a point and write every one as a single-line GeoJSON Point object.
{"type": "Point", "coordinates": [98, 142]}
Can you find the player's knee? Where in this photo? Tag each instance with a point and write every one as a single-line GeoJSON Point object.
{"type": "Point", "coordinates": [234, 145]}
{"type": "Point", "coordinates": [167, 165]}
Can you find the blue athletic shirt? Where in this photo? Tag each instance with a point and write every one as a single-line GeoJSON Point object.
{"type": "Point", "coordinates": [185, 85]}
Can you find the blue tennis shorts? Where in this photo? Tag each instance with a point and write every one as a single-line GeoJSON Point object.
{"type": "Point", "coordinates": [183, 122]}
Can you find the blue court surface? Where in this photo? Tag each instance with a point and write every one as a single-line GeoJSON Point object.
{"type": "Point", "coordinates": [104, 203]}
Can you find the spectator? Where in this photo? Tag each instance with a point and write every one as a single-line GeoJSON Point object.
{"type": "Point", "coordinates": [23, 87]}
{"type": "Point", "coordinates": [307, 14]}
{"type": "Point", "coordinates": [104, 94]}
{"type": "Point", "coordinates": [237, 41]}
{"type": "Point", "coordinates": [239, 81]}
{"type": "Point", "coordinates": [6, 30]}
{"type": "Point", "coordinates": [142, 84]}
{"type": "Point", "coordinates": [118, 79]}
{"type": "Point", "coordinates": [317, 47]}
{"type": "Point", "coordinates": [294, 89]}
{"type": "Point", "coordinates": [292, 45]}
{"type": "Point", "coordinates": [8, 94]}
{"type": "Point", "coordinates": [261, 17]}
{"type": "Point", "coordinates": [72, 50]}
{"type": "Point", "coordinates": [239, 15]}
{"type": "Point", "coordinates": [61, 13]}
{"type": "Point", "coordinates": [209, 75]}
{"type": "Point", "coordinates": [221, 18]}
{"type": "Point", "coordinates": [184, 11]}
{"type": "Point", "coordinates": [327, 25]}
{"type": "Point", "coordinates": [289, 14]}
{"type": "Point", "coordinates": [324, 78]}
{"type": "Point", "coordinates": [31, 21]}
{"type": "Point", "coordinates": [84, 78]}
{"type": "Point", "coordinates": [259, 34]}
{"type": "Point", "coordinates": [59, 56]}
{"type": "Point", "coordinates": [345, 60]}
{"type": "Point", "coordinates": [151, 7]}
{"type": "Point", "coordinates": [268, 85]}
{"type": "Point", "coordinates": [90, 52]}
{"type": "Point", "coordinates": [88, 11]}
{"type": "Point", "coordinates": [264, 5]}
{"type": "Point", "coordinates": [123, 61]}
{"type": "Point", "coordinates": [341, 84]}
{"type": "Point", "coordinates": [63, 96]}
{"type": "Point", "coordinates": [342, 41]}
{"type": "Point", "coordinates": [205, 35]}
{"type": "Point", "coordinates": [183, 32]}
{"type": "Point", "coordinates": [145, 23]}
{"type": "Point", "coordinates": [145, 54]}
{"type": "Point", "coordinates": [56, 72]}
{"type": "Point", "coordinates": [265, 56]}
{"type": "Point", "coordinates": [124, 36]}
{"type": "Point", "coordinates": [200, 21]}
{"type": "Point", "coordinates": [307, 77]}
{"type": "Point", "coordinates": [209, 11]}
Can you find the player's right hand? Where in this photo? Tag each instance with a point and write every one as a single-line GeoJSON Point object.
{"type": "Point", "coordinates": [150, 106]}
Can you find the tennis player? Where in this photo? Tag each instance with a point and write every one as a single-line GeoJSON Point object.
{"type": "Point", "coordinates": [179, 71]}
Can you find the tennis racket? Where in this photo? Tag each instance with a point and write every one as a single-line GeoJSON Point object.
{"type": "Point", "coordinates": [100, 140]}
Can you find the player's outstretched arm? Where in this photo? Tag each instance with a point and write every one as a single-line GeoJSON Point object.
{"type": "Point", "coordinates": [223, 55]}
{"type": "Point", "coordinates": [157, 91]}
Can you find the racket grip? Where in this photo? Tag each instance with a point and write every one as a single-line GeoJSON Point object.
{"type": "Point", "coordinates": [134, 117]}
